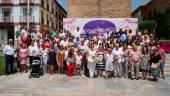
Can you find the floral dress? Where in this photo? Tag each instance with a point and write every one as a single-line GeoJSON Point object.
{"type": "Point", "coordinates": [145, 62]}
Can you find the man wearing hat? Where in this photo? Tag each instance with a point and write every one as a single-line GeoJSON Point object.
{"type": "Point", "coordinates": [9, 57]}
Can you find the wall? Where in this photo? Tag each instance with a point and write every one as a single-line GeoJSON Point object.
{"type": "Point", "coordinates": [99, 8]}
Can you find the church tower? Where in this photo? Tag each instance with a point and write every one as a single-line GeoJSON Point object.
{"type": "Point", "coordinates": [99, 8]}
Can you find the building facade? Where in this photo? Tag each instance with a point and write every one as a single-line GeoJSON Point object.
{"type": "Point", "coordinates": [99, 8]}
{"type": "Point", "coordinates": [43, 14]}
{"type": "Point", "coordinates": [159, 11]}
{"type": "Point", "coordinates": [151, 9]}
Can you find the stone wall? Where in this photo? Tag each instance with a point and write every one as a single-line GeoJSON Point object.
{"type": "Point", "coordinates": [99, 8]}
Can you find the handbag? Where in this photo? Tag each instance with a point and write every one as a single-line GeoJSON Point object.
{"type": "Point", "coordinates": [154, 65]}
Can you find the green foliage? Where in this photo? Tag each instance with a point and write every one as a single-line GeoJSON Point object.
{"type": "Point", "coordinates": [2, 65]}
{"type": "Point", "coordinates": [148, 24]}
{"type": "Point", "coordinates": [163, 21]}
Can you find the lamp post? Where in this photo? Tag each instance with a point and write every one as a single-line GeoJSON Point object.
{"type": "Point", "coordinates": [28, 14]}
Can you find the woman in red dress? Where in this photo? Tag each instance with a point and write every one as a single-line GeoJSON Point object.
{"type": "Point", "coordinates": [70, 63]}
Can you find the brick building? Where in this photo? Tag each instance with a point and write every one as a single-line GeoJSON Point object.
{"type": "Point", "coordinates": [43, 14]}
{"type": "Point", "coordinates": [99, 8]}
{"type": "Point", "coordinates": [156, 10]}
{"type": "Point", "coordinates": [151, 9]}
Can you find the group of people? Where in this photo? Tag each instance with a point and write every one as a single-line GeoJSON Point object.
{"type": "Point", "coordinates": [114, 54]}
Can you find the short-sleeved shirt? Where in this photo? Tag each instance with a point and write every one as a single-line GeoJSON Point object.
{"type": "Point", "coordinates": [109, 57]}
{"type": "Point", "coordinates": [78, 59]}
{"type": "Point", "coordinates": [135, 56]}
{"type": "Point", "coordinates": [156, 58]}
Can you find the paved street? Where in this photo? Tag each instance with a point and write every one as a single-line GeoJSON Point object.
{"type": "Point", "coordinates": [57, 85]}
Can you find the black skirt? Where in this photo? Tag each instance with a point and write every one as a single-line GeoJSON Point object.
{"type": "Point", "coordinates": [100, 66]}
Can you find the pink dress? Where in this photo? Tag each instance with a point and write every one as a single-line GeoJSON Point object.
{"type": "Point", "coordinates": [23, 54]}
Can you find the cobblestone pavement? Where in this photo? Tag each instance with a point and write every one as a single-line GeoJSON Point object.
{"type": "Point", "coordinates": [60, 85]}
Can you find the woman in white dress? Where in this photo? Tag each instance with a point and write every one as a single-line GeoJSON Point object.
{"type": "Point", "coordinates": [91, 54]}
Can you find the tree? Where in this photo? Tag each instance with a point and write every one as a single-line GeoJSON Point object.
{"type": "Point", "coordinates": [163, 21]}
{"type": "Point", "coordinates": [148, 24]}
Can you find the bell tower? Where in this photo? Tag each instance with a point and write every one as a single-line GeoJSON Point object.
{"type": "Point", "coordinates": [99, 8]}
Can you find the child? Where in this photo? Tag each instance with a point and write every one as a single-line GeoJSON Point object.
{"type": "Point", "coordinates": [60, 60]}
{"type": "Point", "coordinates": [78, 62]}
{"type": "Point", "coordinates": [23, 54]}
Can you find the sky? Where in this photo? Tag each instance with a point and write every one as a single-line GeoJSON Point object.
{"type": "Point", "coordinates": [135, 3]}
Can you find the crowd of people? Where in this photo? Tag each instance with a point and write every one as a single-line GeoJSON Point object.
{"type": "Point", "coordinates": [120, 54]}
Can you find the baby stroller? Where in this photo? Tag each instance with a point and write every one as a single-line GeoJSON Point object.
{"type": "Point", "coordinates": [36, 70]}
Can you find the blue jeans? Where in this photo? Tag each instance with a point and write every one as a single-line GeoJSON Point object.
{"type": "Point", "coordinates": [162, 65]}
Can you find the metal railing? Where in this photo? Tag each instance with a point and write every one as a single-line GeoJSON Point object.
{"type": "Point", "coordinates": [10, 19]}
{"type": "Point", "coordinates": [26, 18]}
{"type": "Point", "coordinates": [20, 1]}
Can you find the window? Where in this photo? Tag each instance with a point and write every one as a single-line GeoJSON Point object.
{"type": "Point", "coordinates": [150, 15]}
{"type": "Point", "coordinates": [25, 11]}
{"type": "Point", "coordinates": [48, 21]}
{"type": "Point", "coordinates": [155, 12]}
{"type": "Point", "coordinates": [7, 11]}
{"type": "Point", "coordinates": [6, 14]}
{"type": "Point", "coordinates": [47, 5]}
{"type": "Point", "coordinates": [42, 3]}
{"type": "Point", "coordinates": [42, 17]}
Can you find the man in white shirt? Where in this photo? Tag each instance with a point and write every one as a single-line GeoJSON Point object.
{"type": "Point", "coordinates": [106, 35]}
{"type": "Point", "coordinates": [78, 62]}
{"type": "Point", "coordinates": [64, 42]}
{"type": "Point", "coordinates": [117, 53]}
{"type": "Point", "coordinates": [37, 50]}
{"type": "Point", "coordinates": [77, 33]}
{"type": "Point", "coordinates": [8, 51]}
{"type": "Point", "coordinates": [35, 35]}
{"type": "Point", "coordinates": [24, 33]}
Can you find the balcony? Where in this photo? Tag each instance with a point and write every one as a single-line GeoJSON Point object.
{"type": "Point", "coordinates": [25, 19]}
{"type": "Point", "coordinates": [31, 1]}
{"type": "Point", "coordinates": [6, 19]}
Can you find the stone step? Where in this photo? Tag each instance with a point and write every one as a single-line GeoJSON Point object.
{"type": "Point", "coordinates": [167, 61]}
{"type": "Point", "coordinates": [168, 55]}
{"type": "Point", "coordinates": [167, 65]}
{"type": "Point", "coordinates": [167, 70]}
{"type": "Point", "coordinates": [167, 74]}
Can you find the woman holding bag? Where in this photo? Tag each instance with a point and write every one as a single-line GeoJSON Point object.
{"type": "Point", "coordinates": [155, 63]}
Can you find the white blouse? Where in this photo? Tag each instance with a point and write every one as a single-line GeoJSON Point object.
{"type": "Point", "coordinates": [91, 55]}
